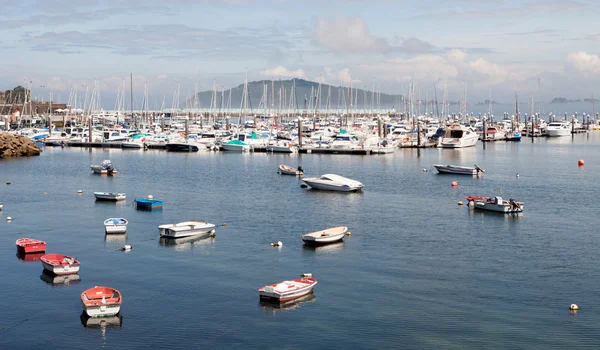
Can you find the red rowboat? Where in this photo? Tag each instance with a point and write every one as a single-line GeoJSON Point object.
{"type": "Point", "coordinates": [30, 245]}
{"type": "Point", "coordinates": [287, 290]}
{"type": "Point", "coordinates": [101, 301]}
{"type": "Point", "coordinates": [60, 264]}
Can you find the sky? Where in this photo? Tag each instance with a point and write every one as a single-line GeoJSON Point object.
{"type": "Point", "coordinates": [489, 47]}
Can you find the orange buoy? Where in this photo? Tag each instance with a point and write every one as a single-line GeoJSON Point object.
{"type": "Point", "coordinates": [454, 183]}
{"type": "Point", "coordinates": [580, 162]}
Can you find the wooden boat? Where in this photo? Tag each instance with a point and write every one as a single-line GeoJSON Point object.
{"type": "Point", "coordinates": [331, 235]}
{"type": "Point", "coordinates": [115, 225]}
{"type": "Point", "coordinates": [101, 301]}
{"type": "Point", "coordinates": [30, 245]}
{"type": "Point", "coordinates": [287, 290]}
{"type": "Point", "coordinates": [332, 182]}
{"type": "Point", "coordinates": [288, 170]}
{"type": "Point", "coordinates": [60, 264]}
{"type": "Point", "coordinates": [110, 196]}
{"type": "Point", "coordinates": [460, 170]}
{"type": "Point", "coordinates": [106, 168]}
{"type": "Point", "coordinates": [186, 229]}
{"type": "Point", "coordinates": [496, 204]}
{"type": "Point", "coordinates": [142, 203]}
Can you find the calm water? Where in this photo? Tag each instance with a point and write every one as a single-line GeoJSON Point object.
{"type": "Point", "coordinates": [417, 272]}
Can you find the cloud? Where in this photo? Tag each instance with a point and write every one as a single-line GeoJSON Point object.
{"type": "Point", "coordinates": [583, 64]}
{"type": "Point", "coordinates": [281, 71]}
{"type": "Point", "coordinates": [346, 34]}
{"type": "Point", "coordinates": [345, 77]}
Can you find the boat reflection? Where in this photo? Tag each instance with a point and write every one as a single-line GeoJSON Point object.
{"type": "Point", "coordinates": [29, 257]}
{"type": "Point", "coordinates": [290, 305]}
{"type": "Point", "coordinates": [101, 322]}
{"type": "Point", "coordinates": [115, 238]}
{"type": "Point", "coordinates": [57, 281]}
{"type": "Point", "coordinates": [186, 242]}
{"type": "Point", "coordinates": [328, 248]}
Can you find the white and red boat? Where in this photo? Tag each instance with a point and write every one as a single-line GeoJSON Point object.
{"type": "Point", "coordinates": [30, 245]}
{"type": "Point", "coordinates": [101, 301]}
{"type": "Point", "coordinates": [288, 290]}
{"type": "Point", "coordinates": [60, 264]}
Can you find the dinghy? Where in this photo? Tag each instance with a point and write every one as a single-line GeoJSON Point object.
{"type": "Point", "coordinates": [460, 170]}
{"type": "Point", "coordinates": [186, 229]}
{"type": "Point", "coordinates": [110, 196]}
{"type": "Point", "coordinates": [288, 170]}
{"type": "Point", "coordinates": [496, 204]}
{"type": "Point", "coordinates": [106, 168]}
{"type": "Point", "coordinates": [149, 204]}
{"type": "Point", "coordinates": [30, 245]}
{"type": "Point", "coordinates": [331, 235]}
{"type": "Point", "coordinates": [101, 301]}
{"type": "Point", "coordinates": [59, 264]}
{"type": "Point", "coordinates": [288, 290]}
{"type": "Point", "coordinates": [115, 225]}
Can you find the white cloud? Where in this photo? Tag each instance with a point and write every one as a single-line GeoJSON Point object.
{"type": "Point", "coordinates": [347, 34]}
{"type": "Point", "coordinates": [281, 71]}
{"type": "Point", "coordinates": [345, 77]}
{"type": "Point", "coordinates": [583, 63]}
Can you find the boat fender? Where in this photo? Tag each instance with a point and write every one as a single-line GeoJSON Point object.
{"type": "Point", "coordinates": [460, 203]}
{"type": "Point", "coordinates": [79, 191]}
{"type": "Point", "coordinates": [424, 170]}
{"type": "Point", "coordinates": [8, 182]}
{"type": "Point", "coordinates": [279, 244]}
{"type": "Point", "coordinates": [126, 248]}
{"type": "Point", "coordinates": [348, 233]}
{"type": "Point", "coordinates": [306, 275]}
{"type": "Point", "coordinates": [454, 183]}
{"type": "Point", "coordinates": [574, 307]}
{"type": "Point", "coordinates": [9, 219]}
{"type": "Point", "coordinates": [580, 162]}
{"type": "Point", "coordinates": [150, 197]}
{"type": "Point", "coordinates": [303, 185]}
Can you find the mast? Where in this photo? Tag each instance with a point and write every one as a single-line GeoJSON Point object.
{"type": "Point", "coordinates": [131, 95]}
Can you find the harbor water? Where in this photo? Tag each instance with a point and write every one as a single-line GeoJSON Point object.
{"type": "Point", "coordinates": [418, 271]}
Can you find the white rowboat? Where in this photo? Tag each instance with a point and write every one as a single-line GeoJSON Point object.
{"type": "Point", "coordinates": [331, 235]}
{"type": "Point", "coordinates": [115, 225]}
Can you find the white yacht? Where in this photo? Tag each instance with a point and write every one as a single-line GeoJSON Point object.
{"type": "Point", "coordinates": [345, 141]}
{"type": "Point", "coordinates": [458, 136]}
{"type": "Point", "coordinates": [186, 229]}
{"type": "Point", "coordinates": [332, 182]}
{"type": "Point", "coordinates": [556, 129]}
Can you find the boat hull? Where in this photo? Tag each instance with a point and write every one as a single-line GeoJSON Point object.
{"type": "Point", "coordinates": [271, 294]}
{"type": "Point", "coordinates": [182, 147]}
{"type": "Point", "coordinates": [312, 241]}
{"type": "Point", "coordinates": [280, 149]}
{"type": "Point", "coordinates": [102, 310]}
{"type": "Point", "coordinates": [168, 233]}
{"type": "Point", "coordinates": [115, 229]}
{"type": "Point", "coordinates": [498, 208]}
{"type": "Point", "coordinates": [60, 270]}
{"type": "Point", "coordinates": [235, 148]}
{"type": "Point", "coordinates": [109, 197]}
{"type": "Point", "coordinates": [458, 143]}
{"type": "Point", "coordinates": [327, 187]}
{"type": "Point", "coordinates": [101, 171]}
{"type": "Point", "coordinates": [456, 170]}
{"type": "Point", "coordinates": [285, 170]}
{"type": "Point", "coordinates": [132, 145]}
{"type": "Point", "coordinates": [144, 204]}
{"type": "Point", "coordinates": [33, 246]}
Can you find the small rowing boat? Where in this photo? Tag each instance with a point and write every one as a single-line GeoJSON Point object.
{"type": "Point", "coordinates": [150, 204]}
{"type": "Point", "coordinates": [59, 264]}
{"type": "Point", "coordinates": [30, 245]}
{"type": "Point", "coordinates": [288, 170]}
{"type": "Point", "coordinates": [115, 225]}
{"type": "Point", "coordinates": [101, 301]}
{"type": "Point", "coordinates": [331, 235]}
{"type": "Point", "coordinates": [460, 170]}
{"type": "Point", "coordinates": [106, 168]}
{"type": "Point", "coordinates": [288, 290]}
{"type": "Point", "coordinates": [110, 196]}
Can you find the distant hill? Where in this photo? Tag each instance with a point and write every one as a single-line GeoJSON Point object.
{"type": "Point", "coordinates": [339, 95]}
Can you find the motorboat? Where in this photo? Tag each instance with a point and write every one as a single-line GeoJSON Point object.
{"type": "Point", "coordinates": [288, 290]}
{"type": "Point", "coordinates": [345, 141]}
{"type": "Point", "coordinates": [460, 170]}
{"type": "Point", "coordinates": [236, 146]}
{"type": "Point", "coordinates": [332, 182]}
{"type": "Point", "coordinates": [496, 204]}
{"type": "Point", "coordinates": [30, 245]}
{"type": "Point", "coordinates": [150, 204]}
{"type": "Point", "coordinates": [493, 133]}
{"type": "Point", "coordinates": [384, 147]}
{"type": "Point", "coordinates": [288, 170]}
{"type": "Point", "coordinates": [458, 136]}
{"type": "Point", "coordinates": [327, 236]}
{"type": "Point", "coordinates": [281, 146]}
{"type": "Point", "coordinates": [135, 142]}
{"type": "Point", "coordinates": [183, 146]}
{"type": "Point", "coordinates": [115, 225]}
{"type": "Point", "coordinates": [101, 301]}
{"type": "Point", "coordinates": [106, 168]}
{"type": "Point", "coordinates": [186, 229]}
{"type": "Point", "coordinates": [59, 264]}
{"type": "Point", "coordinates": [557, 129]}
{"type": "Point", "coordinates": [110, 196]}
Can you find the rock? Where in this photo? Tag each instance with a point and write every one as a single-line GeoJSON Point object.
{"type": "Point", "coordinates": [17, 146]}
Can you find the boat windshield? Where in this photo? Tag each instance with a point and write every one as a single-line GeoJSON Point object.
{"type": "Point", "coordinates": [456, 134]}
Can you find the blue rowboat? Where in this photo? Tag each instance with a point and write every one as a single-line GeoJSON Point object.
{"type": "Point", "coordinates": [142, 203]}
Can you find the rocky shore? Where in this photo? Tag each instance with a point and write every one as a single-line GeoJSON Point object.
{"type": "Point", "coordinates": [17, 146]}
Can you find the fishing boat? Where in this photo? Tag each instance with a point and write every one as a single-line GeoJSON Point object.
{"type": "Point", "coordinates": [186, 229]}
{"type": "Point", "coordinates": [288, 170]}
{"type": "Point", "coordinates": [60, 264]}
{"type": "Point", "coordinates": [236, 146]}
{"type": "Point", "coordinates": [332, 182]}
{"type": "Point", "coordinates": [327, 236]}
{"type": "Point", "coordinates": [458, 136]}
{"type": "Point", "coordinates": [496, 204]}
{"type": "Point", "coordinates": [106, 168]}
{"type": "Point", "coordinates": [460, 170]}
{"type": "Point", "coordinates": [288, 290]}
{"type": "Point", "coordinates": [115, 225]}
{"type": "Point", "coordinates": [110, 196]}
{"type": "Point", "coordinates": [142, 203]}
{"type": "Point", "coordinates": [101, 301]}
{"type": "Point", "coordinates": [30, 245]}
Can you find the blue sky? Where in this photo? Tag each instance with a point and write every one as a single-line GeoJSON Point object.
{"type": "Point", "coordinates": [489, 45]}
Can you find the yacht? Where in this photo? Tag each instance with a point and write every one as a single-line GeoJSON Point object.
{"type": "Point", "coordinates": [495, 134]}
{"type": "Point", "coordinates": [332, 182]}
{"type": "Point", "coordinates": [458, 136]}
{"type": "Point", "coordinates": [556, 129]}
{"type": "Point", "coordinates": [345, 141]}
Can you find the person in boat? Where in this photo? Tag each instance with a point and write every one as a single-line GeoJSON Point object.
{"type": "Point", "coordinates": [300, 169]}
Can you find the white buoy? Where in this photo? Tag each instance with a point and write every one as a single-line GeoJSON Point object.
{"type": "Point", "coordinates": [518, 175]}
{"type": "Point", "coordinates": [279, 244]}
{"type": "Point", "coordinates": [9, 219]}
{"type": "Point", "coordinates": [307, 275]}
{"type": "Point", "coordinates": [126, 248]}
{"type": "Point", "coordinates": [80, 191]}
{"type": "Point", "coordinates": [150, 196]}
{"type": "Point", "coordinates": [574, 307]}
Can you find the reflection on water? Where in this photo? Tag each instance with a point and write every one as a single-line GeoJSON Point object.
{"type": "Point", "coordinates": [272, 307]}
{"type": "Point", "coordinates": [328, 248]}
{"type": "Point", "coordinates": [29, 257]}
{"type": "Point", "coordinates": [115, 238]}
{"type": "Point", "coordinates": [101, 322]}
{"type": "Point", "coordinates": [187, 243]}
{"type": "Point", "coordinates": [58, 281]}
{"type": "Point", "coordinates": [100, 202]}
